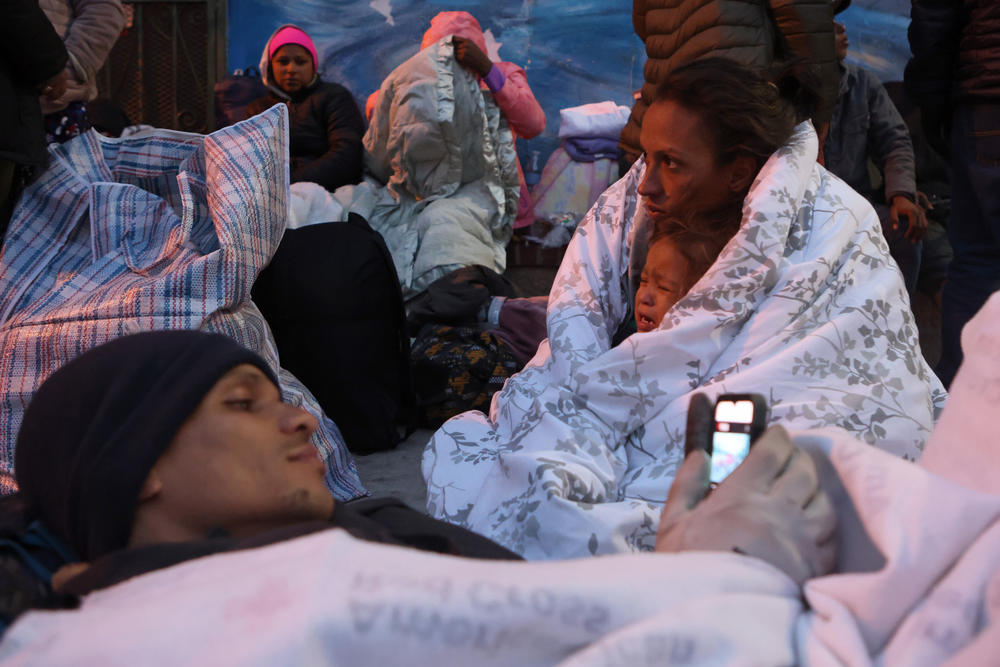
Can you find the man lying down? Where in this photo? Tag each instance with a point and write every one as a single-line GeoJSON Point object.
{"type": "Point", "coordinates": [192, 498]}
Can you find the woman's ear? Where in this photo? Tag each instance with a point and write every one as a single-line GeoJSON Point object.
{"type": "Point", "coordinates": [742, 171]}
{"type": "Point", "coordinates": [151, 487]}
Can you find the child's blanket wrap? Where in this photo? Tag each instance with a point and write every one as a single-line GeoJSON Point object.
{"type": "Point", "coordinates": [446, 156]}
{"type": "Point", "coordinates": [804, 306]}
{"type": "Point", "coordinates": [160, 230]}
{"type": "Point", "coordinates": [918, 583]}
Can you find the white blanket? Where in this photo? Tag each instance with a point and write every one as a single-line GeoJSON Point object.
{"type": "Point", "coordinates": [599, 119]}
{"type": "Point", "coordinates": [928, 594]}
{"type": "Point", "coordinates": [804, 305]}
{"type": "Point", "coordinates": [311, 204]}
{"type": "Point", "coordinates": [446, 156]}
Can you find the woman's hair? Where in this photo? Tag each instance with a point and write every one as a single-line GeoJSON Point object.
{"type": "Point", "coordinates": [743, 111]}
{"type": "Point", "coordinates": [700, 245]}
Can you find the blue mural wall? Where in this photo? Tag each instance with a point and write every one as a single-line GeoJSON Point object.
{"type": "Point", "coordinates": [573, 51]}
{"type": "Point", "coordinates": [877, 33]}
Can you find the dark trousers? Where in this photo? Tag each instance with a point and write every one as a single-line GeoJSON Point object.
{"type": "Point", "coordinates": [974, 226]}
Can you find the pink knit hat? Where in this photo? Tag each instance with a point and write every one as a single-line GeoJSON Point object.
{"type": "Point", "coordinates": [462, 24]}
{"type": "Point", "coordinates": [291, 34]}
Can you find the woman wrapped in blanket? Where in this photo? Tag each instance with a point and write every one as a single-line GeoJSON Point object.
{"type": "Point", "coordinates": [324, 123]}
{"type": "Point", "coordinates": [800, 302]}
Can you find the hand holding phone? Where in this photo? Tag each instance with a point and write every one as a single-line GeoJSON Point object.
{"type": "Point", "coordinates": [773, 508]}
{"type": "Point", "coordinates": [737, 420]}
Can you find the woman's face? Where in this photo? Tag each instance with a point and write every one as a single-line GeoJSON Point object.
{"type": "Point", "coordinates": [292, 67]}
{"type": "Point", "coordinates": [683, 178]}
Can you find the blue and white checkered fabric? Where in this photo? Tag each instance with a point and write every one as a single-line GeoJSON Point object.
{"type": "Point", "coordinates": [161, 230]}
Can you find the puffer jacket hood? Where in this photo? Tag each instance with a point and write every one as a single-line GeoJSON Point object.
{"type": "Point", "coordinates": [462, 24]}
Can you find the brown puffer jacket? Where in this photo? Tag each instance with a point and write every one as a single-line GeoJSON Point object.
{"type": "Point", "coordinates": [956, 52]}
{"type": "Point", "coordinates": [760, 33]}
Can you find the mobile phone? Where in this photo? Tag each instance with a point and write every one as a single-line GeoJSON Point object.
{"type": "Point", "coordinates": [739, 421]}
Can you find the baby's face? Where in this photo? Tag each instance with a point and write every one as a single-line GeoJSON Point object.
{"type": "Point", "coordinates": [661, 284]}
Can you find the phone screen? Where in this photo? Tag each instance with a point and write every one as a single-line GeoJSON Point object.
{"type": "Point", "coordinates": [731, 439]}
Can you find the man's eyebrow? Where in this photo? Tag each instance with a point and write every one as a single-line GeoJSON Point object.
{"type": "Point", "coordinates": [242, 376]}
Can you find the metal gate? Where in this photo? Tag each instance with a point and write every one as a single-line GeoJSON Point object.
{"type": "Point", "coordinates": [163, 67]}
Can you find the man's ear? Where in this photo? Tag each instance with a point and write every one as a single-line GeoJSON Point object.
{"type": "Point", "coordinates": [151, 488]}
{"type": "Point", "coordinates": [742, 171]}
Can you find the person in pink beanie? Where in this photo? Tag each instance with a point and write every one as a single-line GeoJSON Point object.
{"type": "Point", "coordinates": [324, 123]}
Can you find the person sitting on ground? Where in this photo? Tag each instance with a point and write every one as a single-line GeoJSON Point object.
{"type": "Point", "coordinates": [505, 80]}
{"type": "Point", "coordinates": [325, 126]}
{"type": "Point", "coordinates": [866, 123]}
{"type": "Point", "coordinates": [803, 305]}
{"type": "Point", "coordinates": [677, 258]}
{"type": "Point", "coordinates": [163, 447]}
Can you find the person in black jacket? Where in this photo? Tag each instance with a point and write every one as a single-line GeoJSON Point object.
{"type": "Point", "coordinates": [32, 61]}
{"type": "Point", "coordinates": [165, 446]}
{"type": "Point", "coordinates": [324, 122]}
{"type": "Point", "coordinates": [171, 445]}
{"type": "Point", "coordinates": [954, 76]}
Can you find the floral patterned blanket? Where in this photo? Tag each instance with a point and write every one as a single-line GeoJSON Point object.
{"type": "Point", "coordinates": [804, 305]}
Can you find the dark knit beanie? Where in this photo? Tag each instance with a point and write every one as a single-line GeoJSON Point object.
{"type": "Point", "coordinates": [96, 427]}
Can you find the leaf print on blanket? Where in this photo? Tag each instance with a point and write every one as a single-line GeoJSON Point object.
{"type": "Point", "coordinates": [803, 305]}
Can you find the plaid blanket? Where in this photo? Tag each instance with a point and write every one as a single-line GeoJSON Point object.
{"type": "Point", "coordinates": [160, 230]}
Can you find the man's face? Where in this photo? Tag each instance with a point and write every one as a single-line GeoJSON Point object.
{"type": "Point", "coordinates": [292, 67]}
{"type": "Point", "coordinates": [242, 462]}
{"type": "Point", "coordinates": [840, 39]}
{"type": "Point", "coordinates": [682, 176]}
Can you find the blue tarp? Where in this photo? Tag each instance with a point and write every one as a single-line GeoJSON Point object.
{"type": "Point", "coordinates": [574, 51]}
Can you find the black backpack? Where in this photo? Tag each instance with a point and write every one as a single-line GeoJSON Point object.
{"type": "Point", "coordinates": [234, 93]}
{"type": "Point", "coordinates": [332, 298]}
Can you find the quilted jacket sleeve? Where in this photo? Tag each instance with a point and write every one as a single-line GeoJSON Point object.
{"type": "Point", "coordinates": [94, 30]}
{"type": "Point", "coordinates": [807, 28]}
